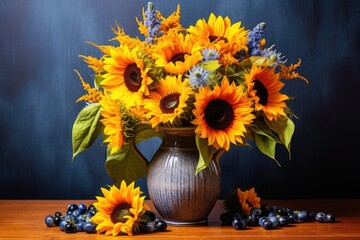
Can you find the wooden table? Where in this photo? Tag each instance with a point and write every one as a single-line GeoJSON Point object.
{"type": "Point", "coordinates": [24, 219]}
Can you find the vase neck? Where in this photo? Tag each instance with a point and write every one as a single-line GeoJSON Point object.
{"type": "Point", "coordinates": [181, 137]}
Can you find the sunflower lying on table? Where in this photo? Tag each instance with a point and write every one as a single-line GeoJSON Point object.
{"type": "Point", "coordinates": [123, 211]}
{"type": "Point", "coordinates": [120, 211]}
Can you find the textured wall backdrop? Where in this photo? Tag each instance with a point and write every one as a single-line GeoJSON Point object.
{"type": "Point", "coordinates": [40, 41]}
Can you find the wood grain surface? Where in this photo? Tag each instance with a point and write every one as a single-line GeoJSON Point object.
{"type": "Point", "coordinates": [24, 219]}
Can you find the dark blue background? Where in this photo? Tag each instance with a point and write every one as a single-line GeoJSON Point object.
{"type": "Point", "coordinates": [40, 41]}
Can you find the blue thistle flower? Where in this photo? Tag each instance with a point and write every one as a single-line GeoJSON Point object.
{"type": "Point", "coordinates": [152, 22]}
{"type": "Point", "coordinates": [210, 54]}
{"type": "Point", "coordinates": [273, 55]}
{"type": "Point", "coordinates": [254, 38]}
{"type": "Point", "coordinates": [198, 76]}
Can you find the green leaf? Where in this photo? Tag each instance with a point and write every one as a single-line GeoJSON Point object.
{"type": "Point", "coordinates": [211, 65]}
{"type": "Point", "coordinates": [86, 128]}
{"type": "Point", "coordinates": [205, 153]}
{"type": "Point", "coordinates": [97, 80]}
{"type": "Point", "coordinates": [265, 143]}
{"type": "Point", "coordinates": [245, 64]}
{"type": "Point", "coordinates": [128, 163]}
{"type": "Point", "coordinates": [144, 131]}
{"type": "Point", "coordinates": [285, 129]}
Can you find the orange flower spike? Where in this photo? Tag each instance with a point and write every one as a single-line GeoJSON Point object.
{"type": "Point", "coordinates": [289, 72]}
{"type": "Point", "coordinates": [93, 63]}
{"type": "Point", "coordinates": [125, 39]}
{"type": "Point", "coordinates": [142, 28]}
{"type": "Point", "coordinates": [92, 95]}
{"type": "Point", "coordinates": [103, 48]}
{"type": "Point", "coordinates": [172, 21]}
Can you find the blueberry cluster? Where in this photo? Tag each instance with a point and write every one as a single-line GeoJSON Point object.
{"type": "Point", "coordinates": [270, 217]}
{"type": "Point", "coordinates": [76, 219]}
{"type": "Point", "coordinates": [150, 223]}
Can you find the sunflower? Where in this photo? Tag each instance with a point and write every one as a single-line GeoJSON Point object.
{"type": "Point", "coordinates": [119, 211]}
{"type": "Point", "coordinates": [126, 76]}
{"type": "Point", "coordinates": [221, 114]}
{"type": "Point", "coordinates": [175, 54]}
{"type": "Point", "coordinates": [118, 124]}
{"type": "Point", "coordinates": [248, 199]}
{"type": "Point", "coordinates": [218, 33]}
{"type": "Point", "coordinates": [166, 104]}
{"type": "Point", "coordinates": [264, 87]}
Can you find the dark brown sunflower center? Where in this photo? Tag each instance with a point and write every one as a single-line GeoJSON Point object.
{"type": "Point", "coordinates": [217, 39]}
{"type": "Point", "coordinates": [219, 114]}
{"type": "Point", "coordinates": [261, 92]}
{"type": "Point", "coordinates": [249, 203]}
{"type": "Point", "coordinates": [169, 103]}
{"type": "Point", "coordinates": [132, 77]}
{"type": "Point", "coordinates": [119, 212]}
{"type": "Point", "coordinates": [178, 57]}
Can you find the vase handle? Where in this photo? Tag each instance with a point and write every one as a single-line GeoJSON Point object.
{"type": "Point", "coordinates": [218, 154]}
{"type": "Point", "coordinates": [139, 154]}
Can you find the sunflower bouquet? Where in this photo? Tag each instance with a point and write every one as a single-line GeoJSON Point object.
{"type": "Point", "coordinates": [216, 76]}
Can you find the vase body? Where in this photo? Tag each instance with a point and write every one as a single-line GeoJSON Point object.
{"type": "Point", "coordinates": [179, 195]}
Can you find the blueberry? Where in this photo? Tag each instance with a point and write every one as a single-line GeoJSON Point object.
{"type": "Point", "coordinates": [70, 228]}
{"type": "Point", "coordinates": [302, 216]}
{"type": "Point", "coordinates": [292, 217]}
{"type": "Point", "coordinates": [81, 218]}
{"type": "Point", "coordinates": [284, 220]}
{"type": "Point", "coordinates": [253, 220]}
{"type": "Point", "coordinates": [330, 217]}
{"type": "Point", "coordinates": [91, 207]}
{"type": "Point", "coordinates": [239, 224]}
{"type": "Point", "coordinates": [265, 209]}
{"type": "Point", "coordinates": [90, 227]}
{"type": "Point", "coordinates": [274, 220]}
{"type": "Point", "coordinates": [311, 216]}
{"type": "Point", "coordinates": [57, 220]}
{"type": "Point", "coordinates": [261, 220]}
{"type": "Point", "coordinates": [80, 226]}
{"type": "Point", "coordinates": [320, 217]}
{"type": "Point", "coordinates": [256, 211]}
{"type": "Point", "coordinates": [50, 221]}
{"type": "Point", "coordinates": [235, 221]}
{"type": "Point", "coordinates": [82, 208]}
{"type": "Point", "coordinates": [271, 214]}
{"type": "Point", "coordinates": [76, 213]}
{"type": "Point", "coordinates": [276, 209]}
{"type": "Point", "coordinates": [150, 227]}
{"type": "Point", "coordinates": [226, 218]}
{"type": "Point", "coordinates": [62, 225]}
{"type": "Point", "coordinates": [58, 214]}
{"type": "Point", "coordinates": [72, 207]}
{"type": "Point", "coordinates": [69, 217]}
{"type": "Point", "coordinates": [267, 224]}
{"type": "Point", "coordinates": [92, 211]}
{"type": "Point", "coordinates": [160, 225]}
